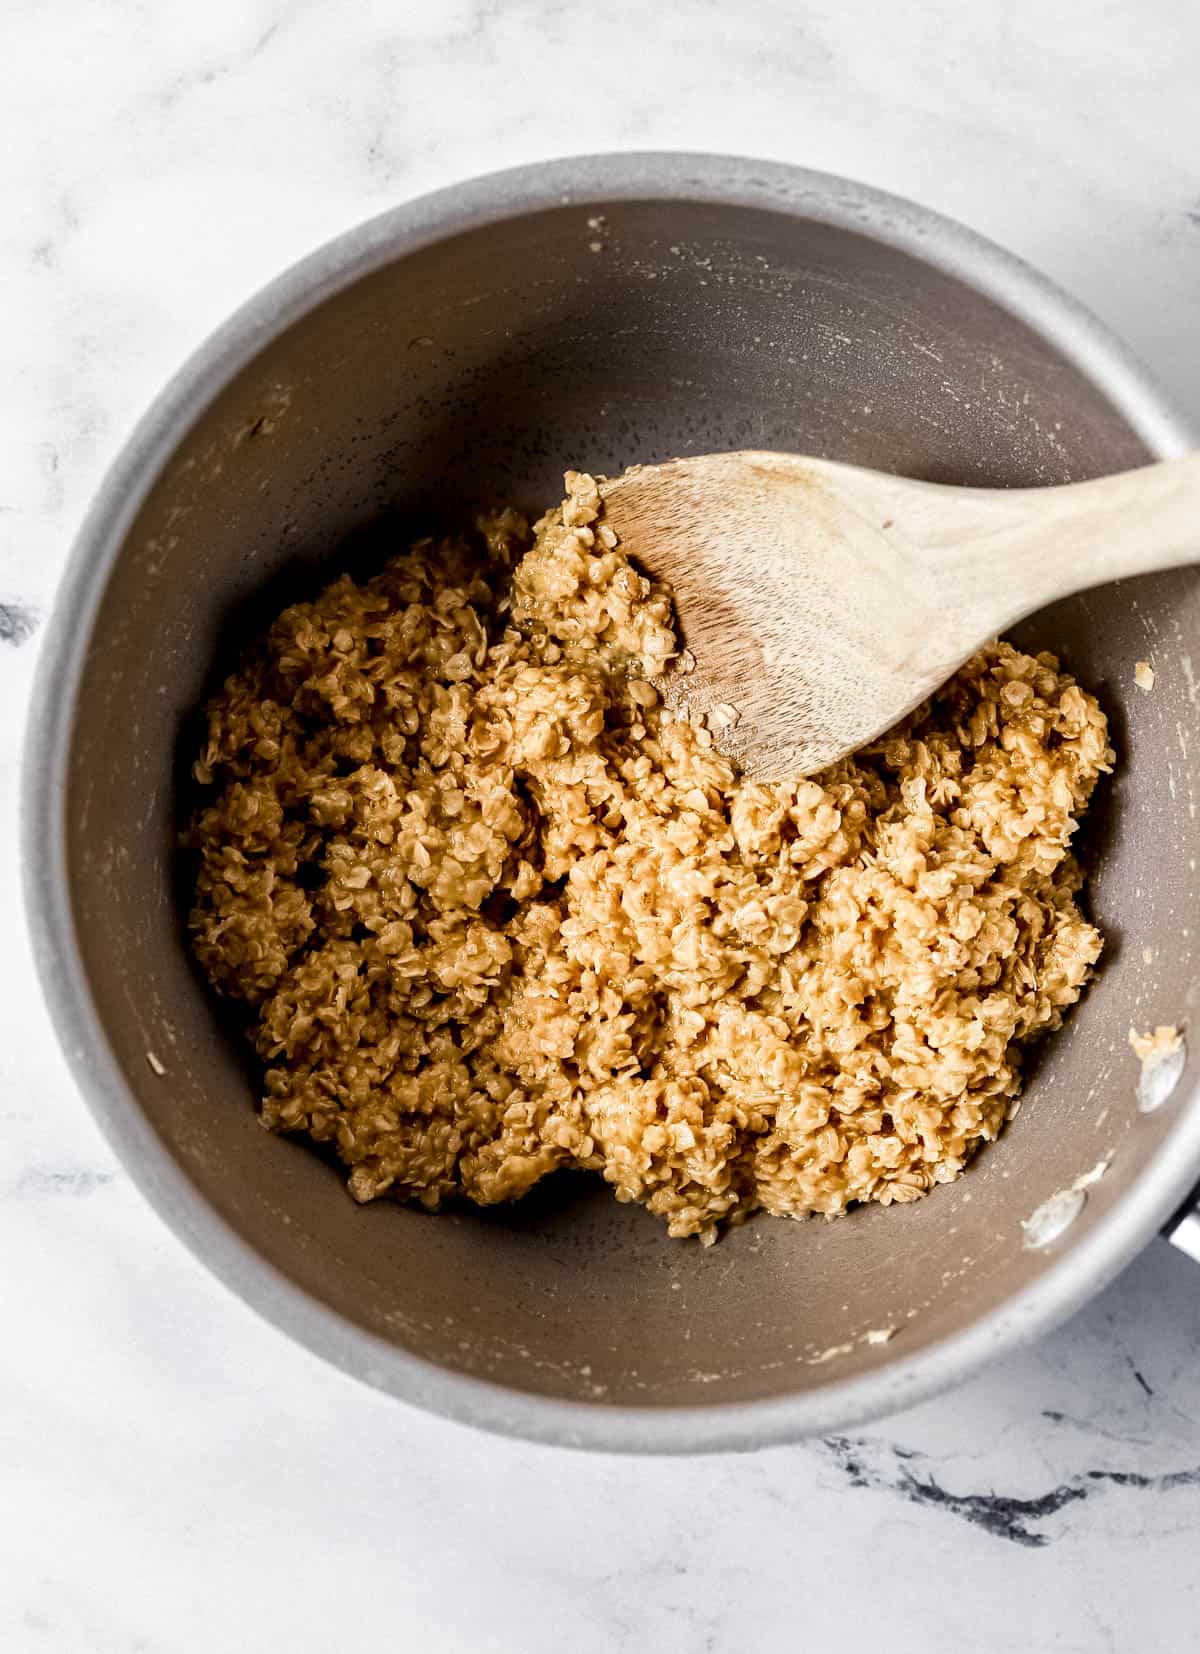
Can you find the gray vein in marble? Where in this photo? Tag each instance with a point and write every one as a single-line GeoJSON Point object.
{"type": "Point", "coordinates": [193, 80]}
{"type": "Point", "coordinates": [18, 622]}
{"type": "Point", "coordinates": [75, 1182]}
{"type": "Point", "coordinates": [1122, 1438]}
{"type": "Point", "coordinates": [888, 1468]}
{"type": "Point", "coordinates": [46, 252]}
{"type": "Point", "coordinates": [1141, 1380]}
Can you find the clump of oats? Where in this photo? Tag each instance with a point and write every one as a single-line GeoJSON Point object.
{"type": "Point", "coordinates": [494, 912]}
{"type": "Point", "coordinates": [1157, 1045]}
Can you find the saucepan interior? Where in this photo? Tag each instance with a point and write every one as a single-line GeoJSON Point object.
{"type": "Point", "coordinates": [464, 352]}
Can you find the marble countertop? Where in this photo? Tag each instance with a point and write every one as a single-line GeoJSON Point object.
{"type": "Point", "coordinates": [177, 1478]}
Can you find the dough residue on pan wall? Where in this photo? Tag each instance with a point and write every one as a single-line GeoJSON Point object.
{"type": "Point", "coordinates": [493, 911]}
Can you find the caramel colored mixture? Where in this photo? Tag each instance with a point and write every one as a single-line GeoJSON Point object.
{"type": "Point", "coordinates": [494, 911]}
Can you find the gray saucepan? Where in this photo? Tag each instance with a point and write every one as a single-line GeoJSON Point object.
{"type": "Point", "coordinates": [465, 348]}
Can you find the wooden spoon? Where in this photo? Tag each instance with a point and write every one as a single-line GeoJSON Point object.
{"type": "Point", "coordinates": [822, 602]}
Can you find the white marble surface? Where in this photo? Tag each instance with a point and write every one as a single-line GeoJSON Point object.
{"type": "Point", "coordinates": [175, 1478]}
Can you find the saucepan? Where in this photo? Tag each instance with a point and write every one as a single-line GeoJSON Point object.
{"type": "Point", "coordinates": [464, 349]}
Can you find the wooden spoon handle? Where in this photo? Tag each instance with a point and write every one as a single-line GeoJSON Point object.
{"type": "Point", "coordinates": [1005, 553]}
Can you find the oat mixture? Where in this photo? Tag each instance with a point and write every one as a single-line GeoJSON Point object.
{"type": "Point", "coordinates": [493, 911]}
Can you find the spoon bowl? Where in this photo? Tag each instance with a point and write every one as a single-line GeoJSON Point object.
{"type": "Point", "coordinates": [819, 603]}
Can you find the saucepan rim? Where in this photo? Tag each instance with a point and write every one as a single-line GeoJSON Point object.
{"type": "Point", "coordinates": [719, 180]}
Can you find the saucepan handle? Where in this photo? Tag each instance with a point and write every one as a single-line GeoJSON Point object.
{"type": "Point", "coordinates": [1183, 1230]}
